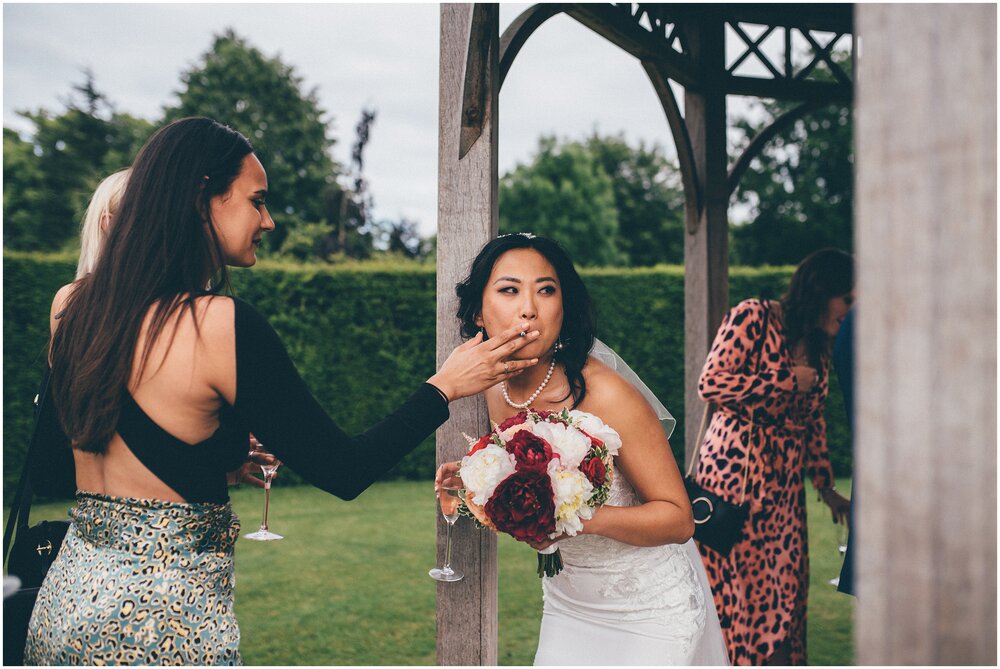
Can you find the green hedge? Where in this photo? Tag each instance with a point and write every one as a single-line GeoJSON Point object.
{"type": "Point", "coordinates": [363, 337]}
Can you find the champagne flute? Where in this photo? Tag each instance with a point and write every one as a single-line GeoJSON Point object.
{"type": "Point", "coordinates": [269, 468]}
{"type": "Point", "coordinates": [842, 532]}
{"type": "Point", "coordinates": [449, 497]}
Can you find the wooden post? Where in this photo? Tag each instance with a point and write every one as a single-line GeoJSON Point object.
{"type": "Point", "coordinates": [926, 399]}
{"type": "Point", "coordinates": [467, 219]}
{"type": "Point", "coordinates": [706, 244]}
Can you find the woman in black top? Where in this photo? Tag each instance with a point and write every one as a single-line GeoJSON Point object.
{"type": "Point", "coordinates": [157, 382]}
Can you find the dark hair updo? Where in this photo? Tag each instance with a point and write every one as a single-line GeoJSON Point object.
{"type": "Point", "coordinates": [820, 277]}
{"type": "Point", "coordinates": [579, 321]}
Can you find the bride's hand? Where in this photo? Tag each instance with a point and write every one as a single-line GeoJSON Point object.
{"type": "Point", "coordinates": [548, 542]}
{"type": "Point", "coordinates": [446, 471]}
{"type": "Point", "coordinates": [477, 365]}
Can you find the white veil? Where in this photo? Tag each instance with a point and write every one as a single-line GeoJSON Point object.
{"type": "Point", "coordinates": [711, 649]}
{"type": "Point", "coordinates": [606, 354]}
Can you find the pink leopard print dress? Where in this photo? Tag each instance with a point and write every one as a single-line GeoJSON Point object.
{"type": "Point", "coordinates": [760, 588]}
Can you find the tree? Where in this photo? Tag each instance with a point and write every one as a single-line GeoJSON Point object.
{"type": "Point", "coordinates": [799, 189]}
{"type": "Point", "coordinates": [234, 83]}
{"type": "Point", "coordinates": [607, 202]}
{"type": "Point", "coordinates": [347, 230]}
{"type": "Point", "coordinates": [649, 200]}
{"type": "Point", "coordinates": [51, 173]}
{"type": "Point", "coordinates": [565, 194]}
{"type": "Point", "coordinates": [401, 238]}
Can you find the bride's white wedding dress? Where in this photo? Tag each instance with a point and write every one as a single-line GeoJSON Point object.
{"type": "Point", "coordinates": [618, 604]}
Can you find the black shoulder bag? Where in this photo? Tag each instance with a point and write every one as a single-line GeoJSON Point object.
{"type": "Point", "coordinates": [718, 523]}
{"type": "Point", "coordinates": [34, 549]}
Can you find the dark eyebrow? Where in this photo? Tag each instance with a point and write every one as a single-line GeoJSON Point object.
{"type": "Point", "coordinates": [541, 279]}
{"type": "Point", "coordinates": [262, 192]}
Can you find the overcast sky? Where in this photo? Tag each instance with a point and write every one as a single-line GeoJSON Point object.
{"type": "Point", "coordinates": [566, 80]}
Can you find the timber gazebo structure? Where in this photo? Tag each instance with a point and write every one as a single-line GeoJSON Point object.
{"type": "Point", "coordinates": [925, 146]}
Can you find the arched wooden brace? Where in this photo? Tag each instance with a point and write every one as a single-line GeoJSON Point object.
{"type": "Point", "coordinates": [763, 137]}
{"type": "Point", "coordinates": [520, 29]}
{"type": "Point", "coordinates": [682, 142]}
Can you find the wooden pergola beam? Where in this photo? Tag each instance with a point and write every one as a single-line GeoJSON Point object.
{"type": "Point", "coordinates": [706, 242]}
{"type": "Point", "coordinates": [615, 24]}
{"type": "Point", "coordinates": [467, 219]}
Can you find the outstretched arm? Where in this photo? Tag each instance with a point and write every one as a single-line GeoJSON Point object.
{"type": "Point", "coordinates": [272, 401]}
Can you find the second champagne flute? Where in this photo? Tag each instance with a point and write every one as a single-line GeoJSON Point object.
{"type": "Point", "coordinates": [449, 498]}
{"type": "Point", "coordinates": [269, 469]}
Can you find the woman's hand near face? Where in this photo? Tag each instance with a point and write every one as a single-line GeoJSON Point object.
{"type": "Point", "coordinates": [805, 376]}
{"type": "Point", "coordinates": [477, 365]}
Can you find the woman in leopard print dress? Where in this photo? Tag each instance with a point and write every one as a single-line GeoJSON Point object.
{"type": "Point", "coordinates": [761, 586]}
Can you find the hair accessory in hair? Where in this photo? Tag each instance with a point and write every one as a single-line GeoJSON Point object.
{"type": "Point", "coordinates": [526, 235]}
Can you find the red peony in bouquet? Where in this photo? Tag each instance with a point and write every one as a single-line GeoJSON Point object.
{"type": "Point", "coordinates": [540, 474]}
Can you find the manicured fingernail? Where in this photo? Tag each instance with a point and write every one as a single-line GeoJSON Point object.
{"type": "Point", "coordinates": [534, 334]}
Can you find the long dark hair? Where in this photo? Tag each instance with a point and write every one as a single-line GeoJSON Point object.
{"type": "Point", "coordinates": [161, 250]}
{"type": "Point", "coordinates": [579, 320]}
{"type": "Point", "coordinates": [823, 275]}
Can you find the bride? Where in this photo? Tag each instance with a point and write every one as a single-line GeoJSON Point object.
{"type": "Point", "coordinates": [633, 589]}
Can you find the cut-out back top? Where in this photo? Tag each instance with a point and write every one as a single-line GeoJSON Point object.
{"type": "Point", "coordinates": [274, 403]}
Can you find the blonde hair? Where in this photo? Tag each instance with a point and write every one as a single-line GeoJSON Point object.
{"type": "Point", "coordinates": [103, 206]}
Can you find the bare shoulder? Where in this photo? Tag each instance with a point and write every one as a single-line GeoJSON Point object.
{"type": "Point", "coordinates": [215, 312]}
{"type": "Point", "coordinates": [612, 395]}
{"type": "Point", "coordinates": [62, 295]}
{"type": "Point", "coordinates": [212, 326]}
{"type": "Point", "coordinates": [59, 304]}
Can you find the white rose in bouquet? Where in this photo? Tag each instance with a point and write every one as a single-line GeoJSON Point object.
{"type": "Point", "coordinates": [596, 428]}
{"type": "Point", "coordinates": [484, 470]}
{"type": "Point", "coordinates": [570, 445]}
{"type": "Point", "coordinates": [571, 490]}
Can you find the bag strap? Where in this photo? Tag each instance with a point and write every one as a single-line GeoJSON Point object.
{"type": "Point", "coordinates": [20, 508]}
{"type": "Point", "coordinates": [759, 350]}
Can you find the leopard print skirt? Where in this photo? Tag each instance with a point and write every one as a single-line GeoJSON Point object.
{"type": "Point", "coordinates": [139, 581]}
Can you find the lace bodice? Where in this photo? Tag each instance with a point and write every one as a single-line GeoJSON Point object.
{"type": "Point", "coordinates": [608, 580]}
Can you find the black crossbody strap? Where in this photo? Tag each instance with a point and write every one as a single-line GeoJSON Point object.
{"type": "Point", "coordinates": [21, 506]}
{"type": "Point", "coordinates": [759, 351]}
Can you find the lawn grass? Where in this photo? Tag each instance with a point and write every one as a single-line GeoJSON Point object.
{"type": "Point", "coordinates": [348, 585]}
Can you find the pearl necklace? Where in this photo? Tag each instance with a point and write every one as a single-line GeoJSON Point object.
{"type": "Point", "coordinates": [525, 405]}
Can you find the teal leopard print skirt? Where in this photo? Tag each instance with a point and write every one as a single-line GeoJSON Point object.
{"type": "Point", "coordinates": [139, 581]}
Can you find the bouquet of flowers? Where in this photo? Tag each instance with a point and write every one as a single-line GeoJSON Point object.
{"type": "Point", "coordinates": [539, 474]}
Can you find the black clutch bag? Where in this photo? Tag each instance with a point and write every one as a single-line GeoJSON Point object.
{"type": "Point", "coordinates": [719, 523]}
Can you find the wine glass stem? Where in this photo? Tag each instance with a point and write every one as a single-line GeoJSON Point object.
{"type": "Point", "coordinates": [267, 499]}
{"type": "Point", "coordinates": [447, 553]}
